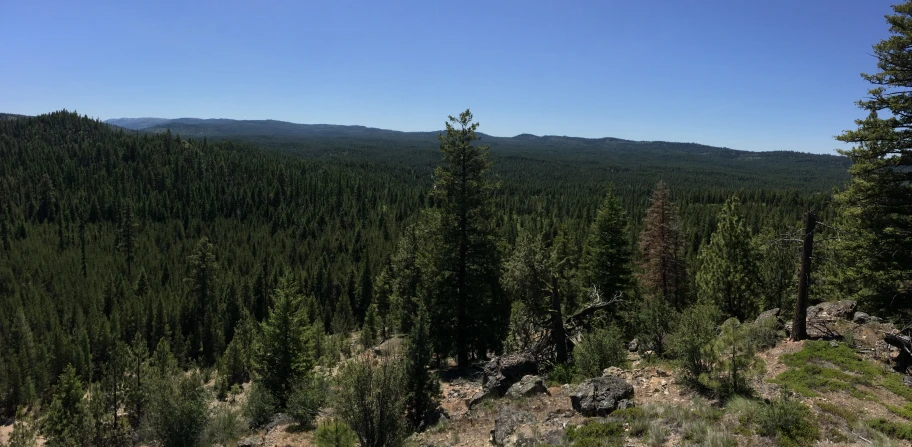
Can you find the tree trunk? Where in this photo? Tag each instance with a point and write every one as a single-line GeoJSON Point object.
{"type": "Point", "coordinates": [557, 323]}
{"type": "Point", "coordinates": [799, 324]}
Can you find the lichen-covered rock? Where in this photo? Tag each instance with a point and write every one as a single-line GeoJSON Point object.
{"type": "Point", "coordinates": [528, 386]}
{"type": "Point", "coordinates": [861, 318]}
{"type": "Point", "coordinates": [844, 309]}
{"type": "Point", "coordinates": [600, 396]}
{"type": "Point", "coordinates": [633, 346]}
{"type": "Point", "coordinates": [507, 427]}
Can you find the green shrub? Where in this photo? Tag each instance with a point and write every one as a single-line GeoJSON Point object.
{"type": "Point", "coordinates": [598, 350]}
{"type": "Point", "coordinates": [789, 421]}
{"type": "Point", "coordinates": [260, 406]}
{"type": "Point", "coordinates": [763, 334]}
{"type": "Point", "coordinates": [562, 373]}
{"type": "Point", "coordinates": [696, 329]}
{"type": "Point", "coordinates": [180, 411]}
{"type": "Point", "coordinates": [225, 425]}
{"type": "Point", "coordinates": [369, 398]}
{"type": "Point", "coordinates": [306, 399]}
{"type": "Point", "coordinates": [734, 360]}
{"type": "Point", "coordinates": [335, 434]}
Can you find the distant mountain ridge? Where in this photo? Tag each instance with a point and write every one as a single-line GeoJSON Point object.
{"type": "Point", "coordinates": [231, 128]}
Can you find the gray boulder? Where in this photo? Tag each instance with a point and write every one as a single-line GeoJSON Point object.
{"type": "Point", "coordinates": [633, 346]}
{"type": "Point", "coordinates": [502, 372]}
{"type": "Point", "coordinates": [861, 318]}
{"type": "Point", "coordinates": [601, 395]}
{"type": "Point", "coordinates": [507, 427]}
{"type": "Point", "coordinates": [772, 318]}
{"type": "Point", "coordinates": [844, 309]}
{"type": "Point", "coordinates": [528, 386]}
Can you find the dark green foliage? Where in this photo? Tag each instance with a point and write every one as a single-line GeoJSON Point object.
{"type": "Point", "coordinates": [305, 400]}
{"type": "Point", "coordinates": [67, 421]}
{"type": "Point", "coordinates": [473, 312]}
{"type": "Point", "coordinates": [876, 208]}
{"type": "Point", "coordinates": [422, 387]}
{"type": "Point", "coordinates": [696, 329]}
{"type": "Point", "coordinates": [598, 350]}
{"type": "Point", "coordinates": [369, 331]}
{"type": "Point", "coordinates": [653, 321]}
{"type": "Point", "coordinates": [606, 257]}
{"type": "Point", "coordinates": [260, 405]}
{"type": "Point", "coordinates": [180, 411]}
{"type": "Point", "coordinates": [369, 398]}
{"type": "Point", "coordinates": [733, 358]}
{"type": "Point", "coordinates": [335, 434]}
{"type": "Point", "coordinates": [727, 273]}
{"type": "Point", "coordinates": [284, 351]}
{"type": "Point", "coordinates": [789, 421]}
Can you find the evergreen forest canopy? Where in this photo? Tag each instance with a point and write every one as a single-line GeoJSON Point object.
{"type": "Point", "coordinates": [251, 250]}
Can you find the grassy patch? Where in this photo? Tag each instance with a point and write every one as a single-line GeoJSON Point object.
{"type": "Point", "coordinates": [820, 367]}
{"type": "Point", "coordinates": [596, 434]}
{"type": "Point", "coordinates": [903, 412]}
{"type": "Point", "coordinates": [893, 382]}
{"type": "Point", "coordinates": [896, 430]}
{"type": "Point", "coordinates": [840, 412]}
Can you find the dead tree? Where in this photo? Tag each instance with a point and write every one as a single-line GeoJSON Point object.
{"type": "Point", "coordinates": [799, 324]}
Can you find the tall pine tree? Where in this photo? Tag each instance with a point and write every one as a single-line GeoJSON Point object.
{"type": "Point", "coordinates": [469, 258]}
{"type": "Point", "coordinates": [877, 206]}
{"type": "Point", "coordinates": [662, 246]}
{"type": "Point", "coordinates": [606, 256]}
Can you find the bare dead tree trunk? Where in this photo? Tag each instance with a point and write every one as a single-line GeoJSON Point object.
{"type": "Point", "coordinates": [799, 324]}
{"type": "Point", "coordinates": [557, 323]}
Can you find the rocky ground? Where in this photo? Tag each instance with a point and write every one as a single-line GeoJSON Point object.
{"type": "Point", "coordinates": [505, 403]}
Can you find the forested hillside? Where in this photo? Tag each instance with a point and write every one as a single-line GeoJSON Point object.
{"type": "Point", "coordinates": [125, 250]}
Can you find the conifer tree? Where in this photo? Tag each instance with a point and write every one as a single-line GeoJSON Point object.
{"type": "Point", "coordinates": [202, 283]}
{"type": "Point", "coordinates": [662, 246]}
{"type": "Point", "coordinates": [606, 256]}
{"type": "Point", "coordinates": [727, 274]}
{"type": "Point", "coordinates": [284, 351]}
{"type": "Point", "coordinates": [127, 234]}
{"type": "Point", "coordinates": [421, 386]}
{"type": "Point", "coordinates": [67, 420]}
{"type": "Point", "coordinates": [469, 260]}
{"type": "Point", "coordinates": [876, 208]}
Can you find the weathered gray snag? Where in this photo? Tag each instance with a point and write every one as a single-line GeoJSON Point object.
{"type": "Point", "coordinates": [799, 324]}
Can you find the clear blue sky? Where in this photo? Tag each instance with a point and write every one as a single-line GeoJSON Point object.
{"type": "Point", "coordinates": [754, 75]}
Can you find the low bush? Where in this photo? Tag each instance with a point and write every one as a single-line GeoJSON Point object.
{"type": "Point", "coordinates": [789, 421]}
{"type": "Point", "coordinates": [598, 350]}
{"type": "Point", "coordinates": [260, 406]}
{"type": "Point", "coordinates": [335, 434]}
{"type": "Point", "coordinates": [306, 399]}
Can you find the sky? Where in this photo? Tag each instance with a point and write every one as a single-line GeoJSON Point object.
{"type": "Point", "coordinates": [751, 75]}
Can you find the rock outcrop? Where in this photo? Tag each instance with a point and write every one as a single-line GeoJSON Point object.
{"type": "Point", "coordinates": [602, 395]}
{"type": "Point", "coordinates": [844, 309]}
{"type": "Point", "coordinates": [528, 386]}
{"type": "Point", "coordinates": [501, 373]}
